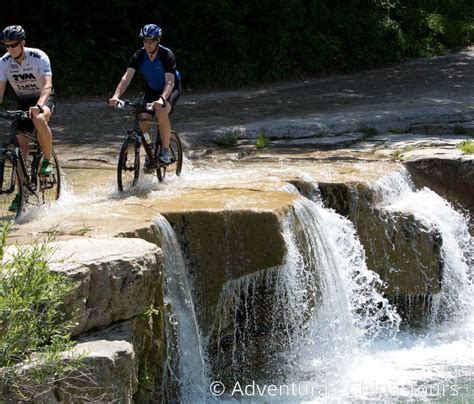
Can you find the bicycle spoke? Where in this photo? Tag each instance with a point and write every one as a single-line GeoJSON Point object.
{"type": "Point", "coordinates": [49, 187]}
{"type": "Point", "coordinates": [10, 187]}
{"type": "Point", "coordinates": [128, 169]}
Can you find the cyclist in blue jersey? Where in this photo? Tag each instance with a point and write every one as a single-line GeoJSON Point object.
{"type": "Point", "coordinates": [158, 65]}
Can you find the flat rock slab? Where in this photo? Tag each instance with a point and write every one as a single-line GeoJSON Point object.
{"type": "Point", "coordinates": [461, 128]}
{"type": "Point", "coordinates": [110, 367]}
{"type": "Point", "coordinates": [108, 372]}
{"type": "Point", "coordinates": [399, 116]}
{"type": "Point", "coordinates": [408, 141]}
{"type": "Point", "coordinates": [323, 142]}
{"type": "Point", "coordinates": [117, 278]}
{"type": "Point", "coordinates": [447, 172]}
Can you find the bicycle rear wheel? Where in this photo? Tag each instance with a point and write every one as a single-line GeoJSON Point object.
{"type": "Point", "coordinates": [49, 186]}
{"type": "Point", "coordinates": [176, 151]}
{"type": "Point", "coordinates": [10, 187]}
{"type": "Point", "coordinates": [128, 169]}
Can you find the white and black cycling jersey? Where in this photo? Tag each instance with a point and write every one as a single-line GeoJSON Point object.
{"type": "Point", "coordinates": [26, 79]}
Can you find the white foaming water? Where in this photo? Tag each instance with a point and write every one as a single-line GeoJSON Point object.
{"type": "Point", "coordinates": [187, 365]}
{"type": "Point", "coordinates": [434, 364]}
{"type": "Point", "coordinates": [323, 297]}
{"type": "Point", "coordinates": [456, 299]}
{"type": "Point", "coordinates": [350, 313]}
{"type": "Point", "coordinates": [67, 199]}
{"type": "Point", "coordinates": [349, 351]}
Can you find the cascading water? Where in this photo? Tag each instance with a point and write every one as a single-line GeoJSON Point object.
{"type": "Point", "coordinates": [186, 366]}
{"type": "Point", "coordinates": [435, 363]}
{"type": "Point", "coordinates": [324, 307]}
{"type": "Point", "coordinates": [455, 301]}
{"type": "Point", "coordinates": [316, 328]}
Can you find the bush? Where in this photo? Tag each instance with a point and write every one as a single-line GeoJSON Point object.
{"type": "Point", "coordinates": [33, 328]}
{"type": "Point", "coordinates": [467, 146]}
{"type": "Point", "coordinates": [228, 139]}
{"type": "Point", "coordinates": [262, 140]}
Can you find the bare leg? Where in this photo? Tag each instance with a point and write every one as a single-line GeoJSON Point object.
{"type": "Point", "coordinates": [145, 126]}
{"type": "Point", "coordinates": [162, 116]}
{"type": "Point", "coordinates": [43, 132]}
{"type": "Point", "coordinates": [23, 141]}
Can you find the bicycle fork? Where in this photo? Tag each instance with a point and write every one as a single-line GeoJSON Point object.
{"type": "Point", "coordinates": [8, 180]}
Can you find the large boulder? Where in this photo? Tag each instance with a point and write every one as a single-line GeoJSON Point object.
{"type": "Point", "coordinates": [399, 247]}
{"type": "Point", "coordinates": [117, 364]}
{"type": "Point", "coordinates": [450, 174]}
{"type": "Point", "coordinates": [116, 278]}
{"type": "Point", "coordinates": [232, 233]}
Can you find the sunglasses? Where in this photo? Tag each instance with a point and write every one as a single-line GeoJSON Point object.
{"type": "Point", "coordinates": [11, 45]}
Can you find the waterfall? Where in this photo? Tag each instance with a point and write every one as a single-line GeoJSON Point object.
{"type": "Point", "coordinates": [319, 322]}
{"type": "Point", "coordinates": [456, 299]}
{"type": "Point", "coordinates": [186, 363]}
{"type": "Point", "coordinates": [351, 312]}
{"type": "Point", "coordinates": [323, 303]}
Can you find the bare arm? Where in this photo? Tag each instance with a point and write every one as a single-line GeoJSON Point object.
{"type": "Point", "coordinates": [46, 91]}
{"type": "Point", "coordinates": [124, 83]}
{"type": "Point", "coordinates": [169, 85]}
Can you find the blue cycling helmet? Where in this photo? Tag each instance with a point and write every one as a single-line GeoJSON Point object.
{"type": "Point", "coordinates": [151, 31]}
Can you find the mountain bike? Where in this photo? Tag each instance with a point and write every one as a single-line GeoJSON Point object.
{"type": "Point", "coordinates": [21, 176]}
{"type": "Point", "coordinates": [139, 152]}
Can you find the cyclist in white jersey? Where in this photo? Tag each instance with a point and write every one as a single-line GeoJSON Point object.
{"type": "Point", "coordinates": [28, 71]}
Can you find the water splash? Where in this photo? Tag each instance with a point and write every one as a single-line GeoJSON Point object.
{"type": "Point", "coordinates": [323, 303]}
{"type": "Point", "coordinates": [456, 299]}
{"type": "Point", "coordinates": [187, 365]}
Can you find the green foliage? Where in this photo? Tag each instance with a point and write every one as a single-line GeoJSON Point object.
{"type": "Point", "coordinates": [396, 155]}
{"type": "Point", "coordinates": [262, 140]}
{"type": "Point", "coordinates": [368, 131]}
{"type": "Point", "coordinates": [228, 139]}
{"type": "Point", "coordinates": [467, 146]}
{"type": "Point", "coordinates": [396, 130]}
{"type": "Point", "coordinates": [232, 43]}
{"type": "Point", "coordinates": [33, 327]}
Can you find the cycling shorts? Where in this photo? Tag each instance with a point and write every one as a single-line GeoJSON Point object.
{"type": "Point", "coordinates": [154, 95]}
{"type": "Point", "coordinates": [26, 125]}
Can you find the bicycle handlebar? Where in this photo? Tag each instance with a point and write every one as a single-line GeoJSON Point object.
{"type": "Point", "coordinates": [138, 105]}
{"type": "Point", "coordinates": [12, 115]}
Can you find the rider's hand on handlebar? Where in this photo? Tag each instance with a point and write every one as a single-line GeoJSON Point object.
{"type": "Point", "coordinates": [113, 102]}
{"type": "Point", "coordinates": [34, 111]}
{"type": "Point", "coordinates": [160, 103]}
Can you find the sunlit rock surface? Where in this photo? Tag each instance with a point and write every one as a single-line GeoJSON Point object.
{"type": "Point", "coordinates": [229, 228]}
{"type": "Point", "coordinates": [116, 278]}
{"type": "Point", "coordinates": [450, 174]}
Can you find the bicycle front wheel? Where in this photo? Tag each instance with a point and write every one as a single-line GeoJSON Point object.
{"type": "Point", "coordinates": [49, 186]}
{"type": "Point", "coordinates": [11, 195]}
{"type": "Point", "coordinates": [128, 169]}
{"type": "Point", "coordinates": [176, 151]}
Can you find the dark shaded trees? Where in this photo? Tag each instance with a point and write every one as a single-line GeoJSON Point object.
{"type": "Point", "coordinates": [228, 43]}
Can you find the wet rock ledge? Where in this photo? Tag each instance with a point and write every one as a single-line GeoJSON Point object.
{"type": "Point", "coordinates": [225, 235]}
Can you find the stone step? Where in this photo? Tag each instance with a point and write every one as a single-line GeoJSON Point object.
{"type": "Point", "coordinates": [460, 128]}
{"type": "Point", "coordinates": [318, 142]}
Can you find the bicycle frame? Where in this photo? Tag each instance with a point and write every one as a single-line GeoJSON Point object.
{"type": "Point", "coordinates": [23, 177]}
{"type": "Point", "coordinates": [13, 147]}
{"type": "Point", "coordinates": [128, 163]}
{"type": "Point", "coordinates": [151, 154]}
